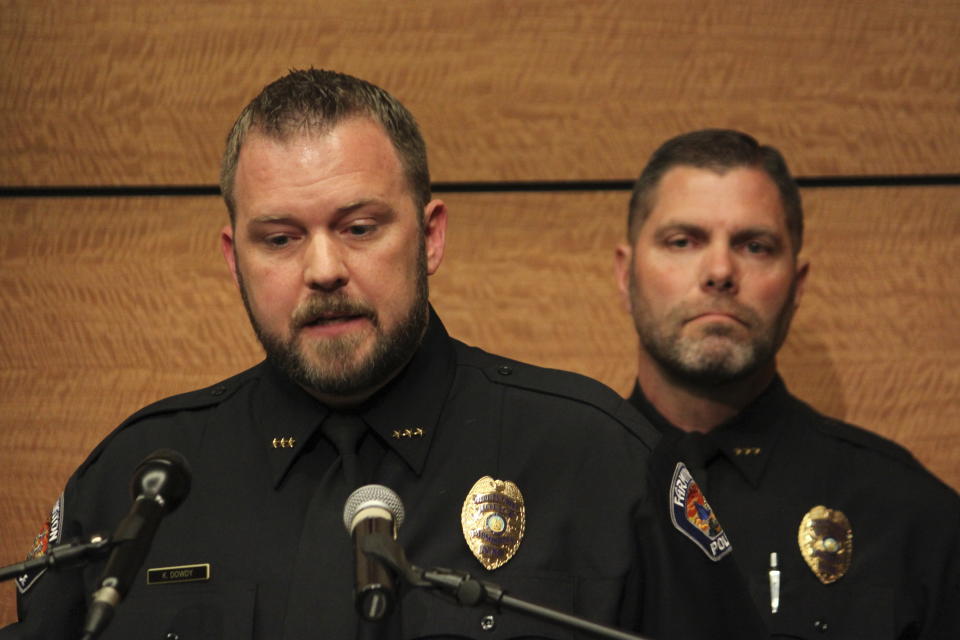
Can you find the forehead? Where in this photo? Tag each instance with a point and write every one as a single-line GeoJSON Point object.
{"type": "Point", "coordinates": [354, 159]}
{"type": "Point", "coordinates": [735, 198]}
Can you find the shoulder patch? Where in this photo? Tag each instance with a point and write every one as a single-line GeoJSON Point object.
{"type": "Point", "coordinates": [692, 516]}
{"type": "Point", "coordinates": [49, 536]}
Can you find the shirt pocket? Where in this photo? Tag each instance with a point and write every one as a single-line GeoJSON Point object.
{"type": "Point", "coordinates": [212, 612]}
{"type": "Point", "coordinates": [431, 614]}
{"type": "Point", "coordinates": [863, 613]}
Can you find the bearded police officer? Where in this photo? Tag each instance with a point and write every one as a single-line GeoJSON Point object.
{"type": "Point", "coordinates": [839, 532]}
{"type": "Point", "coordinates": [540, 481]}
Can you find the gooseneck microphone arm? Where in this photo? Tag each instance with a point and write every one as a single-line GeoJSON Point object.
{"type": "Point", "coordinates": [469, 591]}
{"type": "Point", "coordinates": [60, 557]}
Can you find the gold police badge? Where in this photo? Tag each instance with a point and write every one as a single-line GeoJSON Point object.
{"type": "Point", "coordinates": [493, 520]}
{"type": "Point", "coordinates": [826, 543]}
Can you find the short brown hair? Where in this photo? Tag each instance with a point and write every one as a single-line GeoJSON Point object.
{"type": "Point", "coordinates": [315, 101]}
{"type": "Point", "coordinates": [718, 150]}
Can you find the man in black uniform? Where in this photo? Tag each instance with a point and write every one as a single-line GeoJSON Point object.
{"type": "Point", "coordinates": [839, 532]}
{"type": "Point", "coordinates": [540, 481]}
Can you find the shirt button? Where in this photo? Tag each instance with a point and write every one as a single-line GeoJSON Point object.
{"type": "Point", "coordinates": [504, 369]}
{"type": "Point", "coordinates": [488, 623]}
{"type": "Point", "coordinates": [218, 390]}
{"type": "Point", "coordinates": [821, 626]}
{"type": "Point", "coordinates": [171, 636]}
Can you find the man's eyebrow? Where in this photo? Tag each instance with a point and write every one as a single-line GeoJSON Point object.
{"type": "Point", "coordinates": [365, 202]}
{"type": "Point", "coordinates": [757, 232]}
{"type": "Point", "coordinates": [674, 227]}
{"type": "Point", "coordinates": [268, 218]}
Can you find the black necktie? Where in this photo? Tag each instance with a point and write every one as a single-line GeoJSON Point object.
{"type": "Point", "coordinates": [320, 604]}
{"type": "Point", "coordinates": [346, 431]}
{"type": "Point", "coordinates": [698, 451]}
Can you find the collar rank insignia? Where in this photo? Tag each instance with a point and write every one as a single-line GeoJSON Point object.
{"type": "Point", "coordinates": [826, 543]}
{"type": "Point", "coordinates": [692, 516]}
{"type": "Point", "coordinates": [493, 520]}
{"type": "Point", "coordinates": [49, 536]}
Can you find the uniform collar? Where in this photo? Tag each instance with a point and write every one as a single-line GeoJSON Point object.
{"type": "Point", "coordinates": [747, 439]}
{"type": "Point", "coordinates": [405, 414]}
{"type": "Point", "coordinates": [286, 417]}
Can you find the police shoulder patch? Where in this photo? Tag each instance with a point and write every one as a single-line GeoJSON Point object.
{"type": "Point", "coordinates": [692, 516]}
{"type": "Point", "coordinates": [50, 534]}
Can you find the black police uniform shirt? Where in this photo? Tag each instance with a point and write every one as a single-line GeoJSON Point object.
{"type": "Point", "coordinates": [270, 560]}
{"type": "Point", "coordinates": [768, 467]}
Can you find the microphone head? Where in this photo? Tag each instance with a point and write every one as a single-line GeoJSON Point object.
{"type": "Point", "coordinates": [163, 474]}
{"type": "Point", "coordinates": [373, 495]}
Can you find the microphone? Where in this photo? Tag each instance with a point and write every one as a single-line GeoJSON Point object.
{"type": "Point", "coordinates": [159, 485]}
{"type": "Point", "coordinates": [372, 509]}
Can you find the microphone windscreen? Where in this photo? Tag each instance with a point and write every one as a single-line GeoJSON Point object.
{"type": "Point", "coordinates": [163, 473]}
{"type": "Point", "coordinates": [373, 495]}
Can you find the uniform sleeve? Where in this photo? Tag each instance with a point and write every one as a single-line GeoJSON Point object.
{"type": "Point", "coordinates": [943, 620]}
{"type": "Point", "coordinates": [51, 603]}
{"type": "Point", "coordinates": [689, 585]}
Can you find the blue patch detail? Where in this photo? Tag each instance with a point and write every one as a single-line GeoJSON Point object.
{"type": "Point", "coordinates": [692, 516]}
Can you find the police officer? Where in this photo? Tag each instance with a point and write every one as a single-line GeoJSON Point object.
{"type": "Point", "coordinates": [542, 482]}
{"type": "Point", "coordinates": [839, 532]}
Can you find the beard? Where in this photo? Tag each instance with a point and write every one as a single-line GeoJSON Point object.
{"type": "Point", "coordinates": [716, 354]}
{"type": "Point", "coordinates": [334, 366]}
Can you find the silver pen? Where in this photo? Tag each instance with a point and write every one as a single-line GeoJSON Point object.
{"type": "Point", "coordinates": [774, 584]}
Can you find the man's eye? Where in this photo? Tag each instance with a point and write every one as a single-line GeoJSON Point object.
{"type": "Point", "coordinates": [360, 229]}
{"type": "Point", "coordinates": [758, 247]}
{"type": "Point", "coordinates": [679, 243]}
{"type": "Point", "coordinates": [278, 241]}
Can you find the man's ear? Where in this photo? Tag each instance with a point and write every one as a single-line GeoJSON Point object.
{"type": "Point", "coordinates": [229, 254]}
{"type": "Point", "coordinates": [622, 264]}
{"type": "Point", "coordinates": [435, 233]}
{"type": "Point", "coordinates": [803, 269]}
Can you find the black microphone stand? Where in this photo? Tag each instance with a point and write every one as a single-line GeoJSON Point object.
{"type": "Point", "coordinates": [472, 592]}
{"type": "Point", "coordinates": [60, 556]}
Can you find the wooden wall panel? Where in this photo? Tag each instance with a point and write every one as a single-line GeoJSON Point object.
{"type": "Point", "coordinates": [111, 92]}
{"type": "Point", "coordinates": [107, 304]}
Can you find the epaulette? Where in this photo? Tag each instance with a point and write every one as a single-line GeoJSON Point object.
{"type": "Point", "coordinates": [559, 383]}
{"type": "Point", "coordinates": [862, 438]}
{"type": "Point", "coordinates": [878, 444]}
{"type": "Point", "coordinates": [190, 400]}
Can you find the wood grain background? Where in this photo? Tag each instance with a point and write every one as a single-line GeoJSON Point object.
{"type": "Point", "coordinates": [109, 303]}
{"type": "Point", "coordinates": [132, 92]}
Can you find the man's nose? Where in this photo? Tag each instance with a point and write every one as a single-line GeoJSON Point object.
{"type": "Point", "coordinates": [325, 266]}
{"type": "Point", "coordinates": [720, 271]}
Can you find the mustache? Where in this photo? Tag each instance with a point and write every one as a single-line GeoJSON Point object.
{"type": "Point", "coordinates": [739, 311]}
{"type": "Point", "coordinates": [321, 307]}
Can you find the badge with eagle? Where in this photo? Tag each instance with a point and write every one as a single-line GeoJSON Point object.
{"type": "Point", "coordinates": [826, 543]}
{"type": "Point", "coordinates": [493, 519]}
